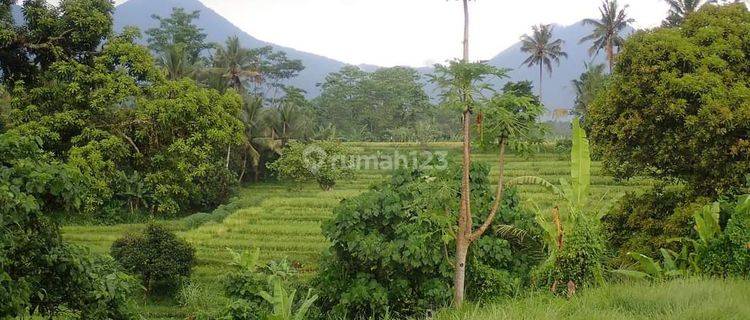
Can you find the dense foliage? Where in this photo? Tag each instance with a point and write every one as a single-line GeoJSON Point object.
{"type": "Point", "coordinates": [678, 103]}
{"type": "Point", "coordinates": [391, 246]}
{"type": "Point", "coordinates": [146, 143]}
{"type": "Point", "coordinates": [648, 221]}
{"type": "Point", "coordinates": [723, 248]}
{"type": "Point", "coordinates": [268, 292]}
{"type": "Point", "coordinates": [157, 256]}
{"type": "Point", "coordinates": [324, 162]}
{"type": "Point", "coordinates": [38, 272]}
{"type": "Point", "coordinates": [380, 105]}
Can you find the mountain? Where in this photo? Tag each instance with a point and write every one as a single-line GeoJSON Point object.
{"type": "Point", "coordinates": [138, 13]}
{"type": "Point", "coordinates": [557, 88]}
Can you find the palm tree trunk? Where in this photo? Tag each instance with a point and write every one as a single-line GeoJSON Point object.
{"type": "Point", "coordinates": [610, 54]}
{"type": "Point", "coordinates": [464, 218]}
{"type": "Point", "coordinates": [540, 82]}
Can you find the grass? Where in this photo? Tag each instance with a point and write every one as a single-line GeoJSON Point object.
{"type": "Point", "coordinates": [284, 220]}
{"type": "Point", "coordinates": [679, 300]}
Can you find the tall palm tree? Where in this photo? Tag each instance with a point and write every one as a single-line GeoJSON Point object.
{"type": "Point", "coordinates": [236, 63]}
{"type": "Point", "coordinates": [606, 33]}
{"type": "Point", "coordinates": [587, 86]}
{"type": "Point", "coordinates": [177, 62]}
{"type": "Point", "coordinates": [542, 50]}
{"type": "Point", "coordinates": [679, 9]}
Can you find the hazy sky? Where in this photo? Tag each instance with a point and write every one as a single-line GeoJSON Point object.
{"type": "Point", "coordinates": [408, 32]}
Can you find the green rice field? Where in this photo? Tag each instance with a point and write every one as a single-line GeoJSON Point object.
{"type": "Point", "coordinates": [283, 219]}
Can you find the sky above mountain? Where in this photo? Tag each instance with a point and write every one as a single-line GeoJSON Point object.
{"type": "Point", "coordinates": [413, 32]}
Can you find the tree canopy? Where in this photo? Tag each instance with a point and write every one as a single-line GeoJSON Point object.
{"type": "Point", "coordinates": [678, 104]}
{"type": "Point", "coordinates": [371, 105]}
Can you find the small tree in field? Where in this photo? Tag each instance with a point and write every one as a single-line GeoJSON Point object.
{"type": "Point", "coordinates": [463, 83]}
{"type": "Point", "coordinates": [324, 162]}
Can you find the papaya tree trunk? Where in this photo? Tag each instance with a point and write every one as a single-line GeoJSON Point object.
{"type": "Point", "coordinates": [464, 216]}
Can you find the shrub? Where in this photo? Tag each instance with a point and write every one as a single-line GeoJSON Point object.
{"type": "Point", "coordinates": [198, 302]}
{"type": "Point", "coordinates": [324, 162]}
{"type": "Point", "coordinates": [160, 258]}
{"type": "Point", "coordinates": [581, 257]}
{"type": "Point", "coordinates": [563, 147]}
{"type": "Point", "coordinates": [248, 287]}
{"type": "Point", "coordinates": [724, 252]}
{"type": "Point", "coordinates": [648, 221]}
{"type": "Point", "coordinates": [390, 247]}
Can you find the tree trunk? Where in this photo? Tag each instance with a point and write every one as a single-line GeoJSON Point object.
{"type": "Point", "coordinates": [244, 168]}
{"type": "Point", "coordinates": [610, 54]}
{"type": "Point", "coordinates": [462, 251]}
{"type": "Point", "coordinates": [464, 216]}
{"type": "Point", "coordinates": [540, 82]}
{"type": "Point", "coordinates": [466, 31]}
{"type": "Point", "coordinates": [463, 240]}
{"type": "Point", "coordinates": [229, 153]}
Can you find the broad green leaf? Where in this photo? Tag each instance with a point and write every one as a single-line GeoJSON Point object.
{"type": "Point", "coordinates": [580, 166]}
{"type": "Point", "coordinates": [647, 264]}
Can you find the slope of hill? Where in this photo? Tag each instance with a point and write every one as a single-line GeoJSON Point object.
{"type": "Point", "coordinates": [557, 87]}
{"type": "Point", "coordinates": [138, 13]}
{"type": "Point", "coordinates": [558, 90]}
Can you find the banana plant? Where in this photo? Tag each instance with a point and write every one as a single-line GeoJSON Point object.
{"type": "Point", "coordinates": [576, 192]}
{"type": "Point", "coordinates": [673, 265]}
{"type": "Point", "coordinates": [245, 260]}
{"type": "Point", "coordinates": [707, 222]}
{"type": "Point", "coordinates": [283, 302]}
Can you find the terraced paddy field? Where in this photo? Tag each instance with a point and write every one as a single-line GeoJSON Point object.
{"type": "Point", "coordinates": [284, 220]}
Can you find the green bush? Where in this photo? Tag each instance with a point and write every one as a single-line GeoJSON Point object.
{"type": "Point", "coordinates": [391, 245]}
{"type": "Point", "coordinates": [248, 285]}
{"type": "Point", "coordinates": [161, 259]}
{"type": "Point", "coordinates": [648, 221]}
{"type": "Point", "coordinates": [324, 162]}
{"type": "Point", "coordinates": [727, 252]}
{"type": "Point", "coordinates": [39, 273]}
{"type": "Point", "coordinates": [582, 255]}
{"type": "Point", "coordinates": [677, 104]}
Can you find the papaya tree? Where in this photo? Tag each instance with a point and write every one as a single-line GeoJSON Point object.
{"type": "Point", "coordinates": [464, 84]}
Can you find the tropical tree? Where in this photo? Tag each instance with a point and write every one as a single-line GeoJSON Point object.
{"type": "Point", "coordinates": [679, 9]}
{"type": "Point", "coordinates": [606, 33]}
{"type": "Point", "coordinates": [235, 64]}
{"type": "Point", "coordinates": [587, 86]}
{"type": "Point", "coordinates": [576, 250]}
{"type": "Point", "coordinates": [372, 105]}
{"type": "Point", "coordinates": [177, 62]}
{"type": "Point", "coordinates": [178, 28]}
{"type": "Point", "coordinates": [543, 50]}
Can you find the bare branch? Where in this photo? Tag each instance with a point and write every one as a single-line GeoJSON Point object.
{"type": "Point", "coordinates": [498, 195]}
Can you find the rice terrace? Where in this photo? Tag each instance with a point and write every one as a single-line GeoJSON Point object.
{"type": "Point", "coordinates": [159, 161]}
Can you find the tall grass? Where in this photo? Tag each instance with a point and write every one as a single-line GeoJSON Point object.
{"type": "Point", "coordinates": [684, 299]}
